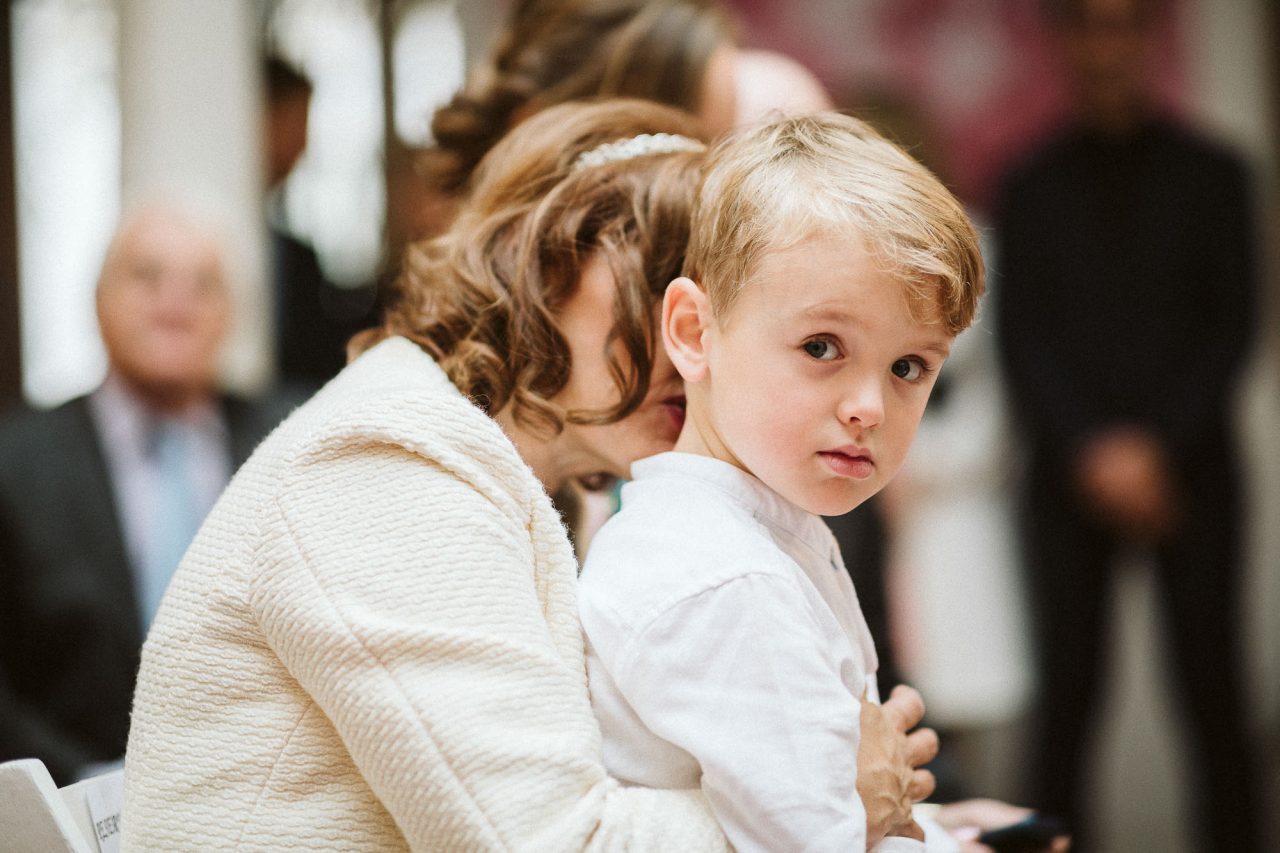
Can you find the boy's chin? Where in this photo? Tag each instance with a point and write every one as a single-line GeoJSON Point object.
{"type": "Point", "coordinates": [831, 505]}
{"type": "Point", "coordinates": [836, 511]}
{"type": "Point", "coordinates": [836, 498]}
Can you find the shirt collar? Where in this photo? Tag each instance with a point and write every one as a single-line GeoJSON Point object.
{"type": "Point", "coordinates": [743, 489]}
{"type": "Point", "coordinates": [126, 418]}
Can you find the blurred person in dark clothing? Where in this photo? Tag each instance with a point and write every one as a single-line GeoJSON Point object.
{"type": "Point", "coordinates": [1129, 276]}
{"type": "Point", "coordinates": [314, 317]}
{"type": "Point", "coordinates": [676, 52]}
{"type": "Point", "coordinates": [99, 497]}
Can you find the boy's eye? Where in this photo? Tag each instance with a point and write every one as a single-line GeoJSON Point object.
{"type": "Point", "coordinates": [821, 349]}
{"type": "Point", "coordinates": [908, 369]}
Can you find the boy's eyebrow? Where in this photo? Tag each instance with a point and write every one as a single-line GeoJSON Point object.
{"type": "Point", "coordinates": [829, 312]}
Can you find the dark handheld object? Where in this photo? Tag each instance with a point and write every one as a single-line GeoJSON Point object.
{"type": "Point", "coordinates": [1030, 835]}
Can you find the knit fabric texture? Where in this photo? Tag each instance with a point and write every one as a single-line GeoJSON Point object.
{"type": "Point", "coordinates": [372, 644]}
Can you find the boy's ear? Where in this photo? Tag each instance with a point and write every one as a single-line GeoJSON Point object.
{"type": "Point", "coordinates": [686, 316]}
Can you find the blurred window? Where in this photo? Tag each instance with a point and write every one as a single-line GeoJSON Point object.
{"type": "Point", "coordinates": [429, 63]}
{"type": "Point", "coordinates": [336, 196]}
{"type": "Point", "coordinates": [67, 153]}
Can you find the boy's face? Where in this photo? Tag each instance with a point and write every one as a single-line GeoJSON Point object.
{"type": "Point", "coordinates": [816, 378]}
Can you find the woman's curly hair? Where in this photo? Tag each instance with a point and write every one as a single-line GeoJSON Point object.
{"type": "Point", "coordinates": [483, 297]}
{"type": "Point", "coordinates": [560, 50]}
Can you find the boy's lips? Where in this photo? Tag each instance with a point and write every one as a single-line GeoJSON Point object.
{"type": "Point", "coordinates": [849, 461]}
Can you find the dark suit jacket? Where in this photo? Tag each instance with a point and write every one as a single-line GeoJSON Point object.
{"type": "Point", "coordinates": [314, 318]}
{"type": "Point", "coordinates": [1128, 286]}
{"type": "Point", "coordinates": [70, 631]}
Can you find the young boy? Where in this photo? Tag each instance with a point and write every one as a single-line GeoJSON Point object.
{"type": "Point", "coordinates": [827, 275]}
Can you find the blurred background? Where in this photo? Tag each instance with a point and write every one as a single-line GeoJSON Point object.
{"type": "Point", "coordinates": [106, 102]}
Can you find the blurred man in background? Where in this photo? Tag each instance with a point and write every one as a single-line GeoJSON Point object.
{"type": "Point", "coordinates": [314, 317]}
{"type": "Point", "coordinates": [100, 497]}
{"type": "Point", "coordinates": [1128, 264]}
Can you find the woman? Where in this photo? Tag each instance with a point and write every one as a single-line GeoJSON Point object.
{"type": "Point", "coordinates": [676, 52]}
{"type": "Point", "coordinates": [373, 643]}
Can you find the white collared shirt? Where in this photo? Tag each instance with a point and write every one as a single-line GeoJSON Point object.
{"type": "Point", "coordinates": [726, 649]}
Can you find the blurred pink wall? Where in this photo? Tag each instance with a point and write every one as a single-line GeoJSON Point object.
{"type": "Point", "coordinates": [981, 73]}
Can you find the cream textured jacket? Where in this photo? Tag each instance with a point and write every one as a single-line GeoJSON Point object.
{"type": "Point", "coordinates": [373, 644]}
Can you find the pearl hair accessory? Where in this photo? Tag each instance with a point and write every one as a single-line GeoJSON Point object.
{"type": "Point", "coordinates": [636, 146]}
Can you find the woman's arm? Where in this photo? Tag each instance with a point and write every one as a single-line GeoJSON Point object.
{"type": "Point", "coordinates": [416, 611]}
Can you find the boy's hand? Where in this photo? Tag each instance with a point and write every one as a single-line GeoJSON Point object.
{"type": "Point", "coordinates": [889, 780]}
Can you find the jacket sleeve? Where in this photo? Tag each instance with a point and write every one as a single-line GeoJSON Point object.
{"type": "Point", "coordinates": [1034, 327]}
{"type": "Point", "coordinates": [25, 732]}
{"type": "Point", "coordinates": [404, 601]}
{"type": "Point", "coordinates": [1214, 355]}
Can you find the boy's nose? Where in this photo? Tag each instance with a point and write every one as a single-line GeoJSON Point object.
{"type": "Point", "coordinates": [862, 404]}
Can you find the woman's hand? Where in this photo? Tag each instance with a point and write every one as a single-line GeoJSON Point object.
{"type": "Point", "coordinates": [889, 758]}
{"type": "Point", "coordinates": [967, 819]}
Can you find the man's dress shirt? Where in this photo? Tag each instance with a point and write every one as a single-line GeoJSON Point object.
{"type": "Point", "coordinates": [126, 427]}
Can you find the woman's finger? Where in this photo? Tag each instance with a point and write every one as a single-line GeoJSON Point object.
{"type": "Point", "coordinates": [922, 747]}
{"type": "Point", "coordinates": [921, 785]}
{"type": "Point", "coordinates": [905, 707]}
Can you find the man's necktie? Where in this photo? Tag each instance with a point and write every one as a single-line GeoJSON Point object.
{"type": "Point", "coordinates": [175, 516]}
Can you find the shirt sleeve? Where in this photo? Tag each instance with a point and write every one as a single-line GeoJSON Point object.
{"type": "Point", "coordinates": [741, 677]}
{"type": "Point", "coordinates": [406, 603]}
{"type": "Point", "coordinates": [24, 732]}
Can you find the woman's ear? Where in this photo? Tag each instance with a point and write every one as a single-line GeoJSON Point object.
{"type": "Point", "coordinates": [686, 317]}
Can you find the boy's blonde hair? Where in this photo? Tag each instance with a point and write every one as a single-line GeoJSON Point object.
{"type": "Point", "coordinates": [829, 174]}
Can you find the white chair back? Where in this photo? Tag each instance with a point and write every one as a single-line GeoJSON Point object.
{"type": "Point", "coordinates": [38, 817]}
{"type": "Point", "coordinates": [95, 805]}
{"type": "Point", "coordinates": [33, 816]}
